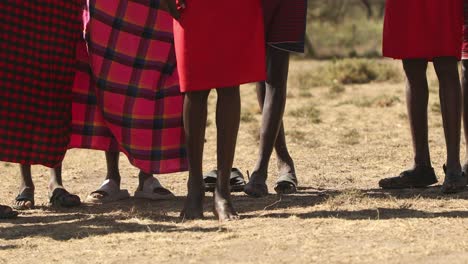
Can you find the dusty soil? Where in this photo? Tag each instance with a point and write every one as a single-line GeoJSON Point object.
{"type": "Point", "coordinates": [339, 216]}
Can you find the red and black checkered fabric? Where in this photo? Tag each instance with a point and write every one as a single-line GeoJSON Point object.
{"type": "Point", "coordinates": [37, 66]}
{"type": "Point", "coordinates": [126, 93]}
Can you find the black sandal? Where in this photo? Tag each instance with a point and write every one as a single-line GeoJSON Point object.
{"type": "Point", "coordinates": [454, 182]}
{"type": "Point", "coordinates": [26, 195]}
{"type": "Point", "coordinates": [286, 183]}
{"type": "Point", "coordinates": [237, 180]}
{"type": "Point", "coordinates": [7, 212]}
{"type": "Point", "coordinates": [62, 198]}
{"type": "Point", "coordinates": [210, 180]}
{"type": "Point", "coordinates": [419, 177]}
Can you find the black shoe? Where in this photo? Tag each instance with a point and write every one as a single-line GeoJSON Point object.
{"type": "Point", "coordinates": [454, 182]}
{"type": "Point", "coordinates": [419, 177]}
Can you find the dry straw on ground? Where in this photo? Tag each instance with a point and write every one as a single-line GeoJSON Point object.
{"type": "Point", "coordinates": [339, 215]}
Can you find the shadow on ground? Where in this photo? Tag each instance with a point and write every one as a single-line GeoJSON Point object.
{"type": "Point", "coordinates": [134, 215]}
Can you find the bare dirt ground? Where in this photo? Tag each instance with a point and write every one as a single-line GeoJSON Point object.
{"type": "Point", "coordinates": [342, 143]}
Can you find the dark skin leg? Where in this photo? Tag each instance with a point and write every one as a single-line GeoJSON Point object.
{"type": "Point", "coordinates": [465, 107]}
{"type": "Point", "coordinates": [26, 186]}
{"type": "Point", "coordinates": [228, 110]}
{"type": "Point", "coordinates": [143, 176]}
{"type": "Point", "coordinates": [450, 104]}
{"type": "Point", "coordinates": [56, 182]}
{"type": "Point", "coordinates": [55, 178]}
{"type": "Point", "coordinates": [417, 97]}
{"type": "Point", "coordinates": [285, 162]}
{"type": "Point", "coordinates": [195, 115]}
{"type": "Point", "coordinates": [417, 101]}
{"type": "Point", "coordinates": [271, 97]}
{"type": "Point", "coordinates": [112, 163]}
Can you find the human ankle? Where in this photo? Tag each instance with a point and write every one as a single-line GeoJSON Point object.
{"type": "Point", "coordinates": [54, 185]}
{"type": "Point", "coordinates": [114, 176]}
{"type": "Point", "coordinates": [29, 187]}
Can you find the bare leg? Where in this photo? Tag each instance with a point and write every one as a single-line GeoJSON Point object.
{"type": "Point", "coordinates": [113, 173]}
{"type": "Point", "coordinates": [112, 163]}
{"type": "Point", "coordinates": [160, 190]}
{"type": "Point", "coordinates": [465, 109]}
{"type": "Point", "coordinates": [417, 97]}
{"type": "Point", "coordinates": [271, 96]}
{"type": "Point", "coordinates": [195, 114]}
{"type": "Point", "coordinates": [227, 124]}
{"type": "Point", "coordinates": [57, 192]}
{"type": "Point", "coordinates": [55, 178]}
{"type": "Point", "coordinates": [285, 162]}
{"type": "Point", "coordinates": [450, 104]}
{"type": "Point", "coordinates": [25, 199]}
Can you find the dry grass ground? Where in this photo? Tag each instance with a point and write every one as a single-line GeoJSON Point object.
{"type": "Point", "coordinates": [343, 138]}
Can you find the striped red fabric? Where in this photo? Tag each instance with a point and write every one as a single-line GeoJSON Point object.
{"type": "Point", "coordinates": [285, 23]}
{"type": "Point", "coordinates": [37, 62]}
{"type": "Point", "coordinates": [126, 94]}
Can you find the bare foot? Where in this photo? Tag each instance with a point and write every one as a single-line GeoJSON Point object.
{"type": "Point", "coordinates": [193, 207]}
{"type": "Point", "coordinates": [223, 208]}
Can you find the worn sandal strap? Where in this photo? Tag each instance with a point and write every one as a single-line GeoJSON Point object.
{"type": "Point", "coordinates": [151, 184]}
{"type": "Point", "coordinates": [23, 197]}
{"type": "Point", "coordinates": [59, 195]}
{"type": "Point", "coordinates": [210, 177]}
{"type": "Point", "coordinates": [109, 187]}
{"type": "Point", "coordinates": [236, 177]}
{"type": "Point", "coordinates": [289, 178]}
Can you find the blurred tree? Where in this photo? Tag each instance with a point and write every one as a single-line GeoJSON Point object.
{"type": "Point", "coordinates": [334, 11]}
{"type": "Point", "coordinates": [368, 7]}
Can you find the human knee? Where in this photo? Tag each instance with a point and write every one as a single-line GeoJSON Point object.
{"type": "Point", "coordinates": [415, 68]}
{"type": "Point", "coordinates": [446, 67]}
{"type": "Point", "coordinates": [198, 96]}
{"type": "Point", "coordinates": [230, 93]}
{"type": "Point", "coordinates": [277, 67]}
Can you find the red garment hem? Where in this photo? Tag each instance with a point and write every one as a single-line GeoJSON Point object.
{"type": "Point", "coordinates": [28, 162]}
{"type": "Point", "coordinates": [217, 85]}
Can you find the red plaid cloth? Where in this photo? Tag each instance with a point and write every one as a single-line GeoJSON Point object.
{"type": "Point", "coordinates": [37, 61]}
{"type": "Point", "coordinates": [126, 94]}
